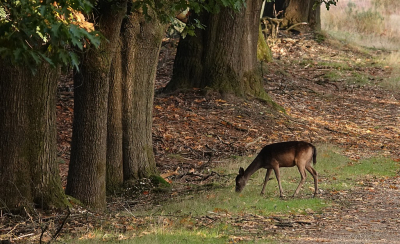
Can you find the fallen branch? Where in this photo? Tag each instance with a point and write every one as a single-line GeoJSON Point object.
{"type": "Point", "coordinates": [291, 27]}
{"type": "Point", "coordinates": [61, 226]}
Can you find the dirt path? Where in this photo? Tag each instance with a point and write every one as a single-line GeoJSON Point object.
{"type": "Point", "coordinates": [362, 119]}
{"type": "Point", "coordinates": [367, 214]}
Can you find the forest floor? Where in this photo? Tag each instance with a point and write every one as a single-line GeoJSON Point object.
{"type": "Point", "coordinates": [331, 93]}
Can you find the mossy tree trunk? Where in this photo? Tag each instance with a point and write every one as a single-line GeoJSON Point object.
{"type": "Point", "coordinates": [141, 40]}
{"type": "Point", "coordinates": [29, 173]}
{"type": "Point", "coordinates": [222, 57]}
{"type": "Point", "coordinates": [264, 53]}
{"type": "Point", "coordinates": [87, 169]}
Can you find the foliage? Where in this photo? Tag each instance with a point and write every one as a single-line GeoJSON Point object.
{"type": "Point", "coordinates": [327, 3]}
{"type": "Point", "coordinates": [167, 9]}
{"type": "Point", "coordinates": [32, 31]}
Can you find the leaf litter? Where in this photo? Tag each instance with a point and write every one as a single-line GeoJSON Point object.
{"type": "Point", "coordinates": [193, 133]}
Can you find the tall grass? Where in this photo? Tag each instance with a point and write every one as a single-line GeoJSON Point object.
{"type": "Point", "coordinates": [370, 23]}
{"type": "Point", "coordinates": [392, 62]}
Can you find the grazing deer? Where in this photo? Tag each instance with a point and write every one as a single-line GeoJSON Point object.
{"type": "Point", "coordinates": [283, 154]}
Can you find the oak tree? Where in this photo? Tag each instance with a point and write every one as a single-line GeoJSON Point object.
{"type": "Point", "coordinates": [35, 38]}
{"type": "Point", "coordinates": [222, 56]}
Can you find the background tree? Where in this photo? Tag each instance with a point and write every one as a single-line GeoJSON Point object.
{"type": "Point", "coordinates": [34, 35]}
{"type": "Point", "coordinates": [297, 11]}
{"type": "Point", "coordinates": [87, 169]}
{"type": "Point", "coordinates": [223, 56]}
{"type": "Point", "coordinates": [114, 166]}
{"type": "Point", "coordinates": [141, 44]}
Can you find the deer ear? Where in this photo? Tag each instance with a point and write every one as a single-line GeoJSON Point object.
{"type": "Point", "coordinates": [241, 171]}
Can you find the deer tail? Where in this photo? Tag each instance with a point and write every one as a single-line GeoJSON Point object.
{"type": "Point", "coordinates": [314, 155]}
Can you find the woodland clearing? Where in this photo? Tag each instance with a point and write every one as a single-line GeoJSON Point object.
{"type": "Point", "coordinates": [328, 93]}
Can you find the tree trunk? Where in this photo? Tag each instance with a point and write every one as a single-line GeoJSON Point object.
{"type": "Point", "coordinates": [87, 169]}
{"type": "Point", "coordinates": [264, 53]}
{"type": "Point", "coordinates": [222, 57]}
{"type": "Point", "coordinates": [295, 11]}
{"type": "Point", "coordinates": [42, 131]}
{"type": "Point", "coordinates": [314, 17]}
{"type": "Point", "coordinates": [114, 126]}
{"type": "Point", "coordinates": [15, 190]}
{"type": "Point", "coordinates": [29, 174]}
{"type": "Point", "coordinates": [141, 44]}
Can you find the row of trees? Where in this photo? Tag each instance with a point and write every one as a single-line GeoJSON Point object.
{"type": "Point", "coordinates": [113, 87]}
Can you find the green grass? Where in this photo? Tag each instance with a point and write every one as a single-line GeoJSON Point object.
{"type": "Point", "coordinates": [181, 218]}
{"type": "Point", "coordinates": [158, 236]}
{"type": "Point", "coordinates": [337, 172]}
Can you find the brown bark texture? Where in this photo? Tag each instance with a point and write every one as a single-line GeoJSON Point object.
{"type": "Point", "coordinates": [41, 103]}
{"type": "Point", "coordinates": [114, 178]}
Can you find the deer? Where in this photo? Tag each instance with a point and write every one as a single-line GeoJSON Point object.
{"type": "Point", "coordinates": [282, 154]}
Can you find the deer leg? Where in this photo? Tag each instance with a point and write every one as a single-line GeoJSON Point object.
{"type": "Point", "coordinates": [278, 178]}
{"type": "Point", "coordinates": [315, 176]}
{"type": "Point", "coordinates": [266, 180]}
{"type": "Point", "coordinates": [303, 179]}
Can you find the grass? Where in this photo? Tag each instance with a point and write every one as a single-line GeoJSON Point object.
{"type": "Point", "coordinates": [154, 237]}
{"type": "Point", "coordinates": [181, 219]}
{"type": "Point", "coordinates": [392, 62]}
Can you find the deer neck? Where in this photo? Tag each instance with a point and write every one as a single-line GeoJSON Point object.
{"type": "Point", "coordinates": [253, 167]}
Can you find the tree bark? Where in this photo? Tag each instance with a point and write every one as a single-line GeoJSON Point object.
{"type": "Point", "coordinates": [29, 174]}
{"type": "Point", "coordinates": [87, 169]}
{"type": "Point", "coordinates": [222, 57]}
{"type": "Point", "coordinates": [15, 190]}
{"type": "Point", "coordinates": [141, 44]}
{"type": "Point", "coordinates": [42, 131]}
{"type": "Point", "coordinates": [114, 126]}
{"type": "Point", "coordinates": [295, 11]}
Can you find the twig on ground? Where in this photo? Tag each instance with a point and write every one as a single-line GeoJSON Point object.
{"type": "Point", "coordinates": [61, 226]}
